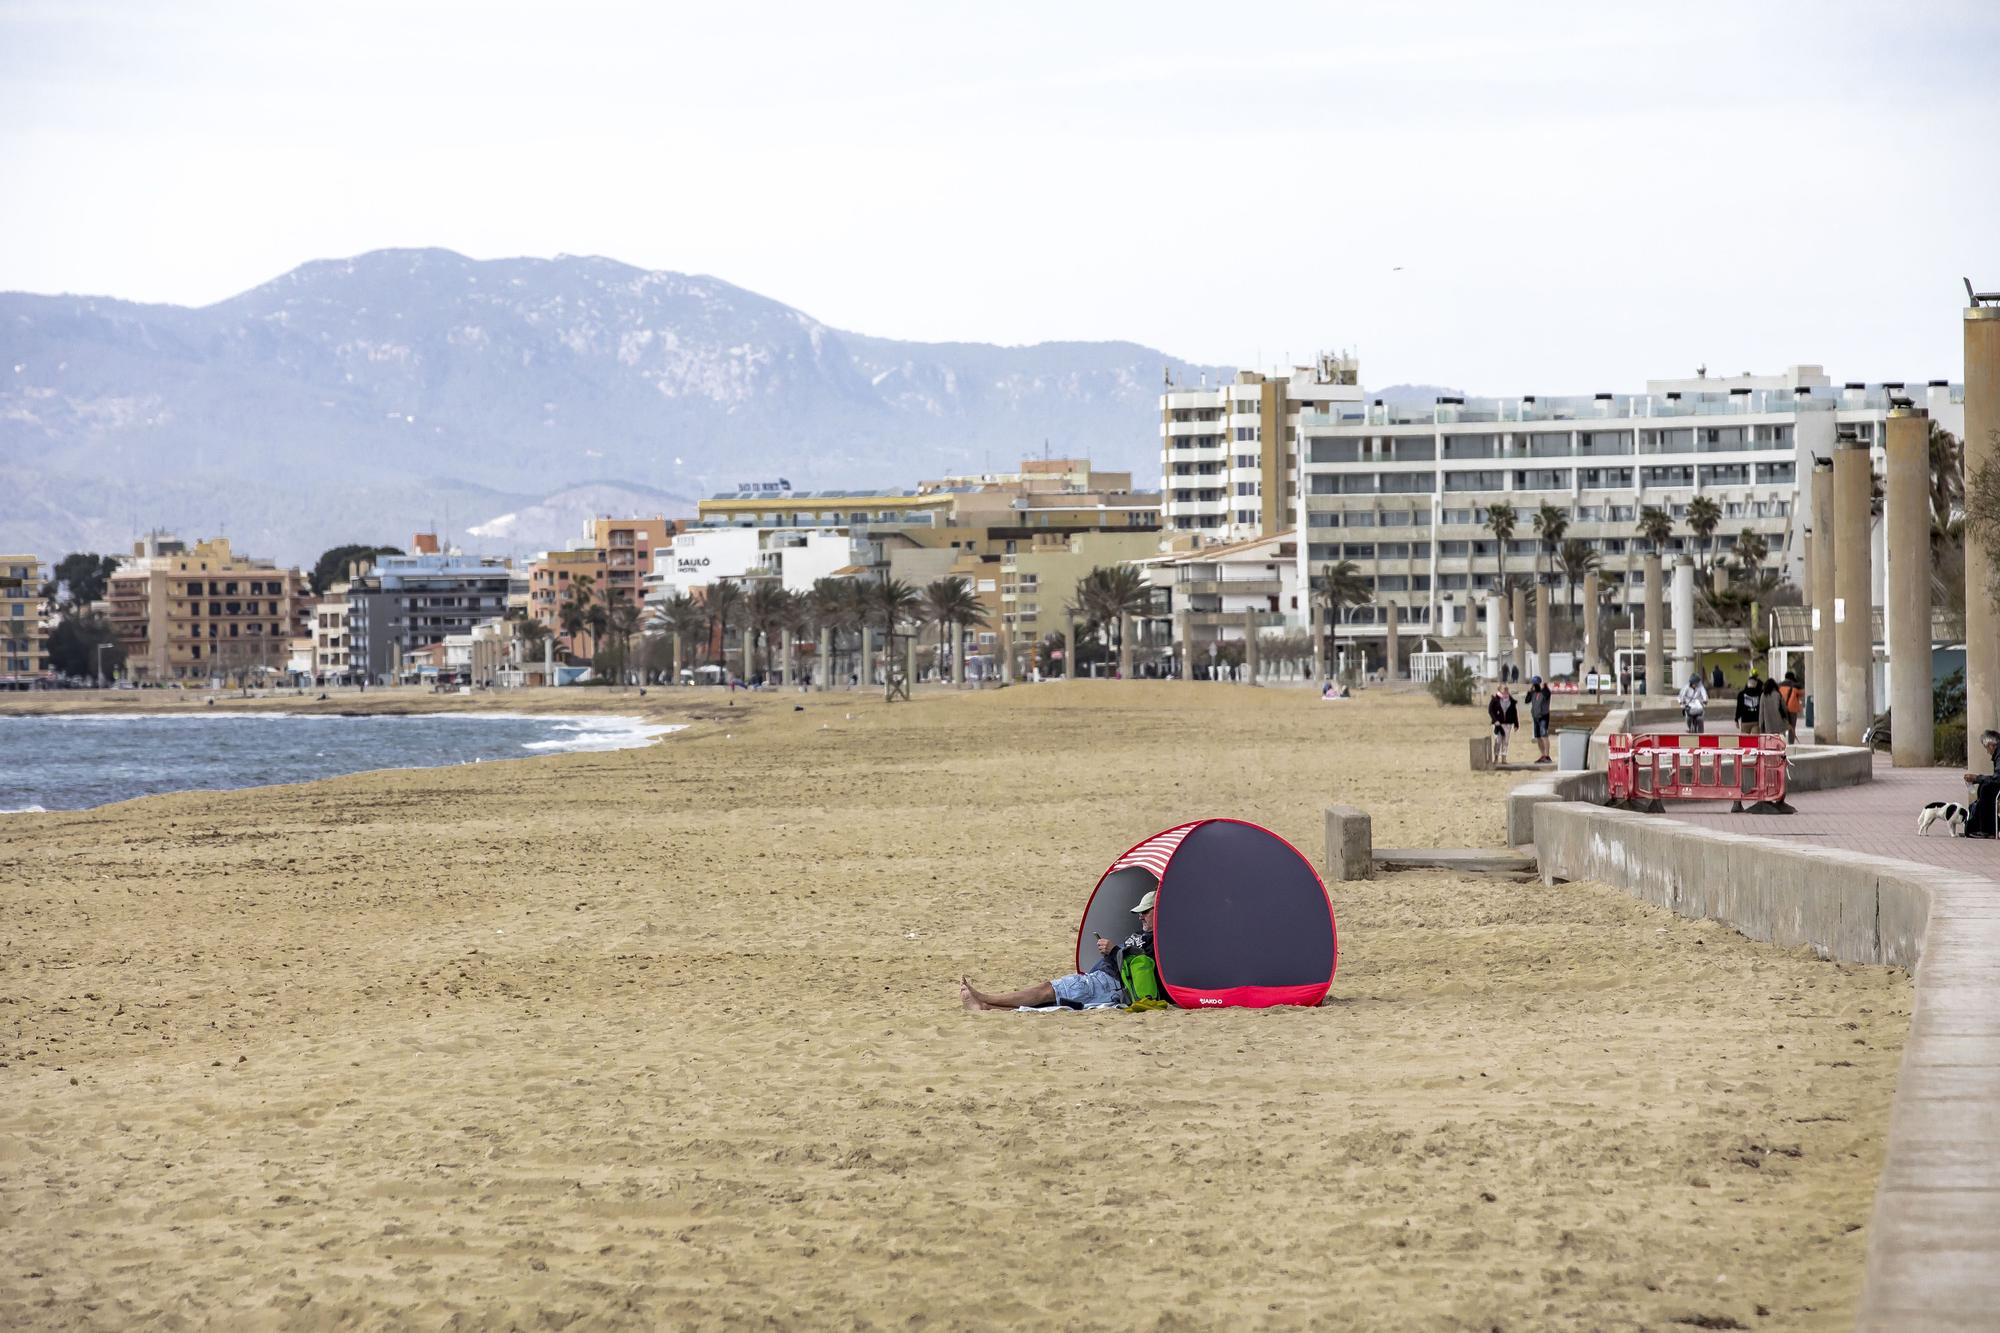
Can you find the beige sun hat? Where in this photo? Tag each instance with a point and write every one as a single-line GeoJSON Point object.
{"type": "Point", "coordinates": [1146, 903]}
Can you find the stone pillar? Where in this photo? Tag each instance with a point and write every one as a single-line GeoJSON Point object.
{"type": "Point", "coordinates": [1982, 618]}
{"type": "Point", "coordinates": [1907, 495]}
{"type": "Point", "coordinates": [1392, 665]}
{"type": "Point", "coordinates": [823, 664]}
{"type": "Point", "coordinates": [1187, 646]}
{"type": "Point", "coordinates": [866, 668]}
{"type": "Point", "coordinates": [1494, 615]}
{"type": "Point", "coordinates": [1542, 667]}
{"type": "Point", "coordinates": [1656, 624]}
{"type": "Point", "coordinates": [749, 652]}
{"type": "Point", "coordinates": [1250, 662]}
{"type": "Point", "coordinates": [1069, 650]}
{"type": "Point", "coordinates": [958, 654]}
{"type": "Point", "coordinates": [1825, 673]}
{"type": "Point", "coordinates": [909, 659]}
{"type": "Point", "coordinates": [1519, 621]}
{"type": "Point", "coordinates": [1124, 647]}
{"type": "Point", "coordinates": [1684, 654]}
{"type": "Point", "coordinates": [1853, 631]}
{"type": "Point", "coordinates": [1590, 620]}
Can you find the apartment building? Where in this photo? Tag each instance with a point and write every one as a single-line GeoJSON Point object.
{"type": "Point", "coordinates": [1229, 455]}
{"type": "Point", "coordinates": [23, 647]}
{"type": "Point", "coordinates": [405, 605]}
{"type": "Point", "coordinates": [1216, 594]}
{"type": "Point", "coordinates": [616, 555]}
{"type": "Point", "coordinates": [197, 612]}
{"type": "Point", "coordinates": [1039, 574]}
{"type": "Point", "coordinates": [1405, 492]}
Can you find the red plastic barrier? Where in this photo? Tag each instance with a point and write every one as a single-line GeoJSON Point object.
{"type": "Point", "coordinates": [1697, 768]}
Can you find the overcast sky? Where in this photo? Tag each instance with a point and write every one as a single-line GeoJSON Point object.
{"type": "Point", "coordinates": [1505, 198]}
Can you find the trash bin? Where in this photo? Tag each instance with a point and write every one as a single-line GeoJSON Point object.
{"type": "Point", "coordinates": [1573, 748]}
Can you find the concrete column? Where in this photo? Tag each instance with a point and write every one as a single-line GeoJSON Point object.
{"type": "Point", "coordinates": [1825, 669]}
{"type": "Point", "coordinates": [958, 654]}
{"type": "Point", "coordinates": [1186, 631]}
{"type": "Point", "coordinates": [1124, 647]}
{"type": "Point", "coordinates": [1656, 624]}
{"type": "Point", "coordinates": [1250, 662]}
{"type": "Point", "coordinates": [866, 668]}
{"type": "Point", "coordinates": [909, 659]}
{"type": "Point", "coordinates": [1069, 650]}
{"type": "Point", "coordinates": [1853, 632]}
{"type": "Point", "coordinates": [749, 651]}
{"type": "Point", "coordinates": [1392, 665]}
{"type": "Point", "coordinates": [823, 664]}
{"type": "Point", "coordinates": [1318, 641]}
{"type": "Point", "coordinates": [1590, 620]}
{"type": "Point", "coordinates": [1982, 445]}
{"type": "Point", "coordinates": [1908, 522]}
{"type": "Point", "coordinates": [1684, 655]}
{"type": "Point", "coordinates": [1447, 619]}
{"type": "Point", "coordinates": [1542, 667]}
{"type": "Point", "coordinates": [1519, 621]}
{"type": "Point", "coordinates": [1494, 615]}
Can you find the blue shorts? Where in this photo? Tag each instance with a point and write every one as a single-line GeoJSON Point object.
{"type": "Point", "coordinates": [1089, 990]}
{"type": "Point", "coordinates": [1541, 727]}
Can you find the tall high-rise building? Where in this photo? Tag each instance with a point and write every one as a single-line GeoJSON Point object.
{"type": "Point", "coordinates": [1407, 493]}
{"type": "Point", "coordinates": [1229, 455]}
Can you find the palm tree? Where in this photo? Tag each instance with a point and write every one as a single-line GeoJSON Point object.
{"type": "Point", "coordinates": [725, 606]}
{"type": "Point", "coordinates": [678, 619]}
{"type": "Point", "coordinates": [1551, 523]}
{"type": "Point", "coordinates": [940, 603]}
{"type": "Point", "coordinates": [1947, 506]}
{"type": "Point", "coordinates": [624, 622]}
{"type": "Point", "coordinates": [1500, 520]}
{"type": "Point", "coordinates": [1109, 596]}
{"type": "Point", "coordinates": [1703, 515]}
{"type": "Point", "coordinates": [1751, 548]}
{"type": "Point", "coordinates": [1656, 525]}
{"type": "Point", "coordinates": [953, 601]}
{"type": "Point", "coordinates": [1577, 559]}
{"type": "Point", "coordinates": [890, 603]}
{"type": "Point", "coordinates": [574, 614]}
{"type": "Point", "coordinates": [1336, 588]}
{"type": "Point", "coordinates": [529, 633]}
{"type": "Point", "coordinates": [765, 611]}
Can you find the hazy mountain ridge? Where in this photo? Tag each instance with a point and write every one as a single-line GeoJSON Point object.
{"type": "Point", "coordinates": [292, 412]}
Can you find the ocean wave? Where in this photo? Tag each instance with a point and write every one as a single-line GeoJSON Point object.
{"type": "Point", "coordinates": [25, 810]}
{"type": "Point", "coordinates": [603, 734]}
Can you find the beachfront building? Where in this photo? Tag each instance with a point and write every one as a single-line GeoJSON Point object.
{"type": "Point", "coordinates": [1229, 454]}
{"type": "Point", "coordinates": [1213, 595]}
{"type": "Point", "coordinates": [1406, 493]}
{"type": "Point", "coordinates": [202, 612]}
{"type": "Point", "coordinates": [1039, 572]}
{"type": "Point", "coordinates": [615, 555]}
{"type": "Point", "coordinates": [796, 558]}
{"type": "Point", "coordinates": [404, 605]}
{"type": "Point", "coordinates": [23, 645]}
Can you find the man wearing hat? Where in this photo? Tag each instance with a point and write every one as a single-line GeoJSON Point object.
{"type": "Point", "coordinates": [1098, 988]}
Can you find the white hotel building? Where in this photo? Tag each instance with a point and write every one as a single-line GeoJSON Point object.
{"type": "Point", "coordinates": [1403, 491]}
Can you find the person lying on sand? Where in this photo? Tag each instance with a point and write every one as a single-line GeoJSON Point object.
{"type": "Point", "coordinates": [1098, 988]}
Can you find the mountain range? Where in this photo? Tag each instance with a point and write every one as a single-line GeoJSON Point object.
{"type": "Point", "coordinates": [405, 390]}
{"type": "Point", "coordinates": [502, 402]}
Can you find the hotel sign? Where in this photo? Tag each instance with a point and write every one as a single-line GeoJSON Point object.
{"type": "Point", "coordinates": [778, 487]}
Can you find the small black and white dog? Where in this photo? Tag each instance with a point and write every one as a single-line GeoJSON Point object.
{"type": "Point", "coordinates": [1951, 812]}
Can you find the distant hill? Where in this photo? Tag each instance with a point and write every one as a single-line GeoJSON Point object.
{"type": "Point", "coordinates": [367, 398]}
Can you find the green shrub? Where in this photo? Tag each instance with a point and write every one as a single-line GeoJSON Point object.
{"type": "Point", "coordinates": [1454, 685]}
{"type": "Point", "coordinates": [1949, 738]}
{"type": "Point", "coordinates": [1948, 701]}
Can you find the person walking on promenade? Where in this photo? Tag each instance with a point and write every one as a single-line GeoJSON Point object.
{"type": "Point", "coordinates": [1717, 680]}
{"type": "Point", "coordinates": [1505, 717]}
{"type": "Point", "coordinates": [1772, 719]}
{"type": "Point", "coordinates": [1694, 702]}
{"type": "Point", "coordinates": [1749, 703]}
{"type": "Point", "coordinates": [1539, 698]}
{"type": "Point", "coordinates": [1793, 696]}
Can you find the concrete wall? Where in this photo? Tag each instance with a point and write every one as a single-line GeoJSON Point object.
{"type": "Point", "coordinates": [1934, 1238]}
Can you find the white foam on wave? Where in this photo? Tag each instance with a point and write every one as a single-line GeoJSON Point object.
{"type": "Point", "coordinates": [26, 810]}
{"type": "Point", "coordinates": [603, 733]}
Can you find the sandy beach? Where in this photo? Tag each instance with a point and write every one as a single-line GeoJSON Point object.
{"type": "Point", "coordinates": [670, 1037]}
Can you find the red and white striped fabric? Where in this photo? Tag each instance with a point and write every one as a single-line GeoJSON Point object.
{"type": "Point", "coordinates": [1154, 853]}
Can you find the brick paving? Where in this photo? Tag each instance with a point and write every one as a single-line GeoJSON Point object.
{"type": "Point", "coordinates": [1878, 818]}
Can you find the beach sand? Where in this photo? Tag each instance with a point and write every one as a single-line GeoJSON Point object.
{"type": "Point", "coordinates": [671, 1037]}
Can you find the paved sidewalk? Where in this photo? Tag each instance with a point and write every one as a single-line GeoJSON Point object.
{"type": "Point", "coordinates": [1878, 818]}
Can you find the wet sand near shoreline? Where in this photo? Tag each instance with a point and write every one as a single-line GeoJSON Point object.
{"type": "Point", "coordinates": [670, 1036]}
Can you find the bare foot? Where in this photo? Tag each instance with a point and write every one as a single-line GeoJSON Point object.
{"type": "Point", "coordinates": [967, 998]}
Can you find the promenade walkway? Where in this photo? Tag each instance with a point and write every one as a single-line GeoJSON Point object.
{"type": "Point", "coordinates": [1877, 818]}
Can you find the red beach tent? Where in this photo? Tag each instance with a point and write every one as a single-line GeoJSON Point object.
{"type": "Point", "coordinates": [1243, 919]}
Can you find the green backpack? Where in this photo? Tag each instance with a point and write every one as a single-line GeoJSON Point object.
{"type": "Point", "coordinates": [1139, 975]}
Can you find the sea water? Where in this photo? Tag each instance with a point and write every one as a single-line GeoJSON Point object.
{"type": "Point", "coordinates": [75, 761]}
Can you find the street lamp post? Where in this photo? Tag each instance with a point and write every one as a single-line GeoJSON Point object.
{"type": "Point", "coordinates": [100, 662]}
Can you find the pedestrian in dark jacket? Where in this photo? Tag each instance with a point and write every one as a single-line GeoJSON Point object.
{"type": "Point", "coordinates": [1500, 709]}
{"type": "Point", "coordinates": [1749, 706]}
{"type": "Point", "coordinates": [1771, 718]}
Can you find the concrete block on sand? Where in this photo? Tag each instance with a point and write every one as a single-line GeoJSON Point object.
{"type": "Point", "coordinates": [1350, 843]}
